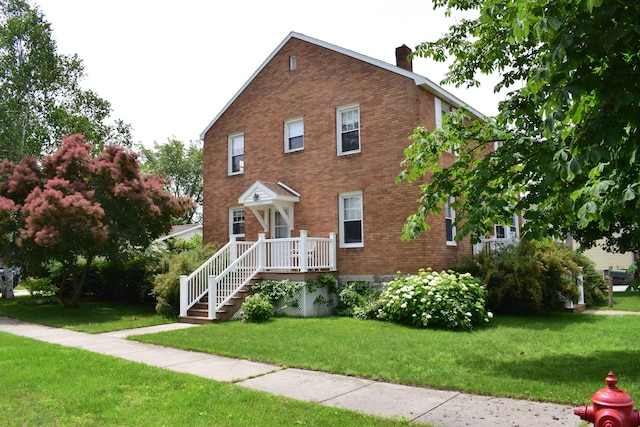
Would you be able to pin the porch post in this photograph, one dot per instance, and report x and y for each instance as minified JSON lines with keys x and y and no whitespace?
{"x":183,"y":295}
{"x":262,"y":252}
{"x":213,"y":296}
{"x":233,"y":249}
{"x":332,"y":252}
{"x":303,"y":252}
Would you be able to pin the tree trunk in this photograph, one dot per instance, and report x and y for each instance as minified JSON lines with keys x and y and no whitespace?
{"x":62,"y":287}
{"x":79,"y":284}
{"x":8,"y":284}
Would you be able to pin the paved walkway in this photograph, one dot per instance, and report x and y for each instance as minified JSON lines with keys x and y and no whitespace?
{"x":420,"y":405}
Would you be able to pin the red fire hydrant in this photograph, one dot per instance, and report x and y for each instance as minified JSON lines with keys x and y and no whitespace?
{"x":611,"y":407}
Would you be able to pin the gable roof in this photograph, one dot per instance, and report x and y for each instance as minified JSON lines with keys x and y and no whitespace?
{"x":181,"y":230}
{"x":266,"y":193}
{"x":419,"y":80}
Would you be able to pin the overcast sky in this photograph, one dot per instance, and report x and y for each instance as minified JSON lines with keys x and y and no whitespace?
{"x":168,"y":67}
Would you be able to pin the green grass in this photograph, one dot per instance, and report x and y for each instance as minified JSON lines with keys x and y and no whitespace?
{"x":624,"y":301}
{"x":50,"y":385}
{"x":91,"y":316}
{"x":561,"y":358}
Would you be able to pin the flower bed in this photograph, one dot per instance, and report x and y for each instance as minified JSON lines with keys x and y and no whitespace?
{"x":440,"y":300}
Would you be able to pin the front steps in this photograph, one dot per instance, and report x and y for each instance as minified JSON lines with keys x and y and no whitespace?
{"x":198,"y":314}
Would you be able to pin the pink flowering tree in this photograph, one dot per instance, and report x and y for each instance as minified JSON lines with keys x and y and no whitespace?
{"x":75,"y":205}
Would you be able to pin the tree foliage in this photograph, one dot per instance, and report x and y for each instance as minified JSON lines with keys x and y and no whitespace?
{"x":182,"y":166}
{"x":74,"y":204}
{"x":40,"y":95}
{"x":567,"y":133}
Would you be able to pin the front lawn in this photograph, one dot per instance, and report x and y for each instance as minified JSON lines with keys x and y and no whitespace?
{"x":91,"y":316}
{"x":623,"y":301}
{"x":560,"y":358}
{"x":51,"y":385}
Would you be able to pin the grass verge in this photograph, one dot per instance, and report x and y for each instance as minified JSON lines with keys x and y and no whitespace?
{"x":623,"y":301}
{"x":561,"y":358}
{"x":91,"y":316}
{"x":60,"y":386}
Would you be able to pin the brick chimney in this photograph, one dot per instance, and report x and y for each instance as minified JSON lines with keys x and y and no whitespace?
{"x":402,"y":57}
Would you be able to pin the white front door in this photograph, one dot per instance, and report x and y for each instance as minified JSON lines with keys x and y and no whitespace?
{"x":280,"y":228}
{"x":281,"y":251}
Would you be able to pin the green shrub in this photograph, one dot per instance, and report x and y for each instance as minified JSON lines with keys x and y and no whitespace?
{"x":359,"y":300}
{"x":169,"y":267}
{"x":40,"y":287}
{"x":529,"y":278}
{"x":257,"y":308}
{"x":282,"y":293}
{"x":438,"y":300}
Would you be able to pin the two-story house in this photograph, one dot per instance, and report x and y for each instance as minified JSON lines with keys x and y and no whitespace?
{"x":311,"y":145}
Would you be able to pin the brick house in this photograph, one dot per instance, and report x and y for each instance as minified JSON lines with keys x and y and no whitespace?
{"x":312,"y":143}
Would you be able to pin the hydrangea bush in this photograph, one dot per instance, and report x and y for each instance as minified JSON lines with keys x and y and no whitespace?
{"x":438,"y":300}
{"x":256,"y":308}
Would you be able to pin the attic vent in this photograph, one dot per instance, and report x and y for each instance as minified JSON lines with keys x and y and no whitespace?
{"x":293,"y":63}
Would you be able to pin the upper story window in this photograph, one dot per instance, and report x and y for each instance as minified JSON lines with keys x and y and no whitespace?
{"x":351,"y":228}
{"x":293,"y":135}
{"x":348,"y":129}
{"x":449,"y":221}
{"x":236,"y":154}
{"x":442,"y":109}
{"x":236,"y":222}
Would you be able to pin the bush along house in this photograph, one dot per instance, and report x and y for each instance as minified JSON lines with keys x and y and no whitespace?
{"x":299,"y":174}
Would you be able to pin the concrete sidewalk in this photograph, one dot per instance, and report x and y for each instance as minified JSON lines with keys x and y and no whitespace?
{"x":420,"y":405}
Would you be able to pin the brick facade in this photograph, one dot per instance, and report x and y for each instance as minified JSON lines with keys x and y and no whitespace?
{"x":391,"y":105}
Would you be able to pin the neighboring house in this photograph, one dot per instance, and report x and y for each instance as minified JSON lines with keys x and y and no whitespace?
{"x":311,"y":146}
{"x":186,"y":232}
{"x":604,"y":260}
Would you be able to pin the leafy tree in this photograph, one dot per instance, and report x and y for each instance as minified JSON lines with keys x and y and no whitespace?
{"x":40,"y":95}
{"x":182,"y":166}
{"x":567,"y":132}
{"x":77,"y":205}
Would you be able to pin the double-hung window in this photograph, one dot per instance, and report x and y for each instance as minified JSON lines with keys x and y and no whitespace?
{"x":236,"y":222}
{"x":236,"y":154}
{"x":442,"y":109}
{"x":294,"y":135}
{"x":351,"y":228}
{"x":449,"y":221}
{"x":511,"y":232}
{"x":348,"y":129}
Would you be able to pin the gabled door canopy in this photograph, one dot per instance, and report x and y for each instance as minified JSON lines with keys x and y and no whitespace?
{"x":262,"y":196}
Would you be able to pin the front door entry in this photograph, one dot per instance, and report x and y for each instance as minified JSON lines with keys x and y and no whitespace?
{"x":281,"y":251}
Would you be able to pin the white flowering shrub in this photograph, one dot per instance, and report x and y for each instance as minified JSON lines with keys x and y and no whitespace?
{"x":435,"y":300}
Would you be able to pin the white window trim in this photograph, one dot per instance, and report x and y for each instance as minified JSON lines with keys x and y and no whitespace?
{"x":231,"y":211}
{"x":229,"y":155}
{"x":438,"y":110}
{"x":439,"y":106}
{"x":341,"y":198}
{"x":339,"y":111}
{"x":453,"y":218}
{"x":286,"y":135}
{"x":511,"y":231}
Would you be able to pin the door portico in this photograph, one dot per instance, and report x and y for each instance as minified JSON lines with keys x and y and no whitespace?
{"x":273,"y":206}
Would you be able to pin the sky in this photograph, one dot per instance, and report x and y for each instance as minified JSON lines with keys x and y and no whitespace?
{"x":169,"y":67}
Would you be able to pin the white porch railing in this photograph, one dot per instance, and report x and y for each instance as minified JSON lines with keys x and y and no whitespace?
{"x":493,"y":244}
{"x":233,"y":266}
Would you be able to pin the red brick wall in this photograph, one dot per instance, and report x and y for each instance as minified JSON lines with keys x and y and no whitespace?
{"x":390,"y":107}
